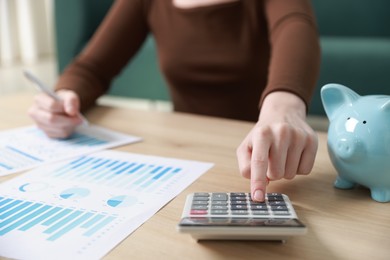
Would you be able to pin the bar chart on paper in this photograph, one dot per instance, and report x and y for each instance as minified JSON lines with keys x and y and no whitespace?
{"x":86,"y":205}
{"x":134,"y":175}
{"x":27,"y":147}
{"x":24,"y":215}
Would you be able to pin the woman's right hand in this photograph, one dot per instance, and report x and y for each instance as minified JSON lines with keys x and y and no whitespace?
{"x":57,"y":118}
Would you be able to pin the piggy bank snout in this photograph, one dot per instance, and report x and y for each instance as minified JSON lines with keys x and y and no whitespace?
{"x":348,"y":148}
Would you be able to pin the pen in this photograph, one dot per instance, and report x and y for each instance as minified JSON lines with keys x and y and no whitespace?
{"x":42,"y":87}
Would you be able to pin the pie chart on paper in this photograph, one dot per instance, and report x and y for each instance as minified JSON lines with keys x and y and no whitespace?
{"x":74,"y":193}
{"x":122,"y":201}
{"x":32,"y":187}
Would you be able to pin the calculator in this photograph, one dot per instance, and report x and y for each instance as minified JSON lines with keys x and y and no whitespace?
{"x":235,"y":216}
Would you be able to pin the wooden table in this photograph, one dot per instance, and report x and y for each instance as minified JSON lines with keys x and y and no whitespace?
{"x":342,"y":224}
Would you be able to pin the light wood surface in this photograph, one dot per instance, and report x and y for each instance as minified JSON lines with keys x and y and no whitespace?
{"x":342,"y":224}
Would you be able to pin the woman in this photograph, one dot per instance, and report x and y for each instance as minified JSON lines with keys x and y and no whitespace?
{"x":254,"y":60}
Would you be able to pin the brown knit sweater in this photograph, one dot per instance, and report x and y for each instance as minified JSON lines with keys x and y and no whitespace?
{"x":219,"y":60}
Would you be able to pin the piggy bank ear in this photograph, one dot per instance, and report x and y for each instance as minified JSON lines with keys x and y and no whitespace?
{"x":334,"y":96}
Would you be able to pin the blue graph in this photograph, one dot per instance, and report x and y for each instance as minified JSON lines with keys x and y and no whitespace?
{"x":129,"y":175}
{"x":12,"y":157}
{"x":28,"y":147}
{"x":81,"y":139}
{"x":21,"y":215}
{"x":76,"y":138}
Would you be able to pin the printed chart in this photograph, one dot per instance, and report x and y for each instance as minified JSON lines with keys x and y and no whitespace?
{"x":28,"y":147}
{"x":85,"y":206}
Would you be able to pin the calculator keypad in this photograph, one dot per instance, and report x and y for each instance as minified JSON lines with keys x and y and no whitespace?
{"x":239,"y":204}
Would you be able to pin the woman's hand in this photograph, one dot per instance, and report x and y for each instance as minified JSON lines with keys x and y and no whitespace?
{"x":280,"y":145}
{"x":57,"y":119}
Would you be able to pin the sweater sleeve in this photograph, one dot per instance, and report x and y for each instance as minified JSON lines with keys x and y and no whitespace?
{"x":115,"y":42}
{"x":295,"y":48}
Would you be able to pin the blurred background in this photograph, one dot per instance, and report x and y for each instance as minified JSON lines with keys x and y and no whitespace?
{"x":26,"y":41}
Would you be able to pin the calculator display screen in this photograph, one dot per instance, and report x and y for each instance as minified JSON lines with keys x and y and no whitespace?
{"x":240,"y":222}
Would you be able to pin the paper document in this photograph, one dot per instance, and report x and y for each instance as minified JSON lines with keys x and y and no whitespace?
{"x":83,"y":207}
{"x":27,"y":147}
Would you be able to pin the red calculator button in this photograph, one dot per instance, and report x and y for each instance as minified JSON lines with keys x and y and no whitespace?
{"x":198,"y":212}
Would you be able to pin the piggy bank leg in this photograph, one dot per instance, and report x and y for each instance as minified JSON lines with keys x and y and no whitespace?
{"x":343,"y":183}
{"x":380,"y":194}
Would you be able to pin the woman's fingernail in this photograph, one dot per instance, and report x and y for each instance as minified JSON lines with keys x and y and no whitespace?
{"x":258,"y":195}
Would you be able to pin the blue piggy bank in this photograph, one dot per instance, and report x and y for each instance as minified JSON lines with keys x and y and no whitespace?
{"x":359,"y":139}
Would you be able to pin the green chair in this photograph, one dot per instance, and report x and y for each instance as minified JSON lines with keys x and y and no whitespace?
{"x":75,"y":23}
{"x":354,"y":34}
{"x":355,"y":42}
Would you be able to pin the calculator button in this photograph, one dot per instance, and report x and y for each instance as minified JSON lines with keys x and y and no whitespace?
{"x":275,"y":198}
{"x":259,"y":207}
{"x":219,"y":202}
{"x":277,"y":203}
{"x":260,"y":212}
{"x":205,"y":207}
{"x":200,"y":198}
{"x":234,"y":198}
{"x":283,"y":213}
{"x":239,"y":212}
{"x":219,"y":212}
{"x":238,"y":207}
{"x":201,"y":194}
{"x":239,"y":194}
{"x":238,"y":202}
{"x":200,"y":202}
{"x":257,"y":203}
{"x":219,"y":196}
{"x":279,"y":208}
{"x":219,"y":207}
{"x":198,"y":212}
